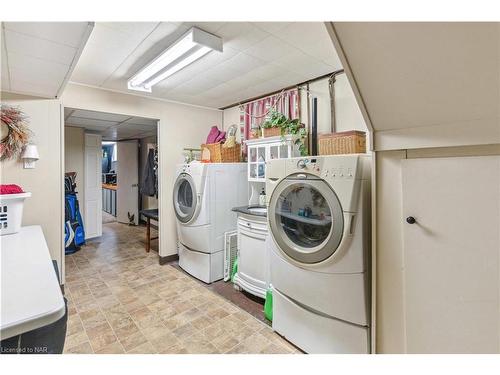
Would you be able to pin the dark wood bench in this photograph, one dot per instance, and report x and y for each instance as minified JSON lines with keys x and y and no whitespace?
{"x":149,"y":215}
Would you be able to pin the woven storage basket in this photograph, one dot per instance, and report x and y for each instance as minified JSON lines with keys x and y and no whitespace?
{"x":271,"y":132}
{"x":350,"y":142}
{"x":219,"y":154}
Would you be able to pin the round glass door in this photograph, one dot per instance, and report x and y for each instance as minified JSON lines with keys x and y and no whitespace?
{"x":184,"y":198}
{"x":306,"y":220}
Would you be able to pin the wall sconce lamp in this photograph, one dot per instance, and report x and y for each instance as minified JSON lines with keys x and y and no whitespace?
{"x":30,"y":156}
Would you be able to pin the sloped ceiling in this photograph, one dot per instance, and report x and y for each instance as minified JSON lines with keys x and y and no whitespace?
{"x":416,"y":75}
{"x":38,"y":58}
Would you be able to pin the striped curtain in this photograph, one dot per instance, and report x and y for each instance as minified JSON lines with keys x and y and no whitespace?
{"x":253,"y":114}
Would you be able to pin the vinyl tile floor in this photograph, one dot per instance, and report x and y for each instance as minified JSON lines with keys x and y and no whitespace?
{"x":120,"y":300}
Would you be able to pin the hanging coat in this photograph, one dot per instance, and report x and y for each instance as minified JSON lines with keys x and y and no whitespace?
{"x":148,"y":185}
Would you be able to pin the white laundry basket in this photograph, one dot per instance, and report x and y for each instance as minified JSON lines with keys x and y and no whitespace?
{"x":11,"y":212}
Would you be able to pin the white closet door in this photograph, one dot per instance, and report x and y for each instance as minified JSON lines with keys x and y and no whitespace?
{"x":127,"y":179}
{"x":93,"y":186}
{"x":451,"y":254}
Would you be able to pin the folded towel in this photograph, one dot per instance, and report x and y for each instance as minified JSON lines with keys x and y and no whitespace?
{"x":212,"y":135}
{"x":10,"y":189}
{"x":221,"y":137}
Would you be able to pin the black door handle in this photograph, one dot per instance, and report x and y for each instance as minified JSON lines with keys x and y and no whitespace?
{"x":411,"y":220}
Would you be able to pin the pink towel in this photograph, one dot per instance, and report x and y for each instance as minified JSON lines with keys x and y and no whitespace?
{"x":213,"y":134}
{"x":221,"y":137}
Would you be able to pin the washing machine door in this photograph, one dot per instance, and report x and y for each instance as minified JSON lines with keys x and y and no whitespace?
{"x":306,"y":219}
{"x":185,"y":198}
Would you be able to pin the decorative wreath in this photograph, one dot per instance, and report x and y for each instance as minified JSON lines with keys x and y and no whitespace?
{"x":18,"y":132}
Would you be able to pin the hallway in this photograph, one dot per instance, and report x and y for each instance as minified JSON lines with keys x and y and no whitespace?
{"x":121,"y":300}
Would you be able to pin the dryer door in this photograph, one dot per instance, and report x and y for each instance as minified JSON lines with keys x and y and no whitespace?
{"x":185,"y":198}
{"x":306,"y":219}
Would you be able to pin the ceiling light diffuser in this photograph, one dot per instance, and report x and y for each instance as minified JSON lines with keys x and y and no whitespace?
{"x":193,"y":45}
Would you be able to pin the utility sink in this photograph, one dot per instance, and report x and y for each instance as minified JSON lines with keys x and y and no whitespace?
{"x":258,"y":210}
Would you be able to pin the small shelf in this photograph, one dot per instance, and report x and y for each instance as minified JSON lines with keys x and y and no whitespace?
{"x":262,"y":150}
{"x":306,"y":220}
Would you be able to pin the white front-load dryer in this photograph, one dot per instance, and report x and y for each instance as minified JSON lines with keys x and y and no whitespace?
{"x":319,"y":216}
{"x":203,"y":196}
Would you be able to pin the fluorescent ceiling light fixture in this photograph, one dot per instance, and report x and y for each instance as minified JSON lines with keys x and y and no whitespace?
{"x":193,"y":45}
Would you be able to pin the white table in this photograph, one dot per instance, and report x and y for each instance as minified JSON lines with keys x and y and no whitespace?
{"x":30,"y":293}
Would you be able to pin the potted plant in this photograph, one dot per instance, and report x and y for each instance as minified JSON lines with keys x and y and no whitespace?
{"x":278,"y":124}
{"x":272,"y":126}
{"x":298,"y":130}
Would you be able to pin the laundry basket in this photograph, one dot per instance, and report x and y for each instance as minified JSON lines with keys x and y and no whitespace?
{"x":11,"y":212}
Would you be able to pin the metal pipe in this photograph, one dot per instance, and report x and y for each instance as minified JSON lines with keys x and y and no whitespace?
{"x":331,"y":87}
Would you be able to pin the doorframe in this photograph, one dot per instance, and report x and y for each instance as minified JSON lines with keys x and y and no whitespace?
{"x":161,"y":214}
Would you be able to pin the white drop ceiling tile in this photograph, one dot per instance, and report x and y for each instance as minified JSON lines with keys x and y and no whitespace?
{"x":272,"y":27}
{"x":35,"y":77}
{"x":270,"y":49}
{"x":215,"y":57}
{"x":67,"y":33}
{"x":268,"y":71}
{"x":265,"y":87}
{"x":304,"y":65}
{"x":220,"y":90}
{"x":137,"y":30}
{"x":195,"y":86}
{"x":136,"y":127}
{"x":301,"y":34}
{"x":221,"y":73}
{"x":30,"y":88}
{"x":39,"y":48}
{"x":141,"y":121}
{"x":288,"y":79}
{"x":95,"y":65}
{"x":35,"y":69}
{"x":210,"y":27}
{"x":90,"y":122}
{"x":245,"y":81}
{"x":241,"y":35}
{"x":243,"y":62}
{"x":147,"y":134}
{"x":96,"y":115}
{"x":105,"y":51}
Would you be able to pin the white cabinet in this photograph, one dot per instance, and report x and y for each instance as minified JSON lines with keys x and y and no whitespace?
{"x":261,"y":150}
{"x":451,"y":254}
{"x":253,"y":259}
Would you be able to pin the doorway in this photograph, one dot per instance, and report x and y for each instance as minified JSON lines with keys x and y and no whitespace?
{"x":111,"y":178}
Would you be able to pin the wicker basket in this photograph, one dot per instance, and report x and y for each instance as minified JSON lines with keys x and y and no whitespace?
{"x":349,"y":142}
{"x":219,"y":154}
{"x":271,"y":132}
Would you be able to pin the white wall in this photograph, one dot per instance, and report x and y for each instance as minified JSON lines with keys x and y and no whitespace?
{"x":348,"y":114}
{"x":180,"y":126}
{"x":74,"y":147}
{"x":45,"y":183}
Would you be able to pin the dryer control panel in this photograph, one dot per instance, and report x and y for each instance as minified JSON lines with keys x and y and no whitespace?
{"x":326,"y":167}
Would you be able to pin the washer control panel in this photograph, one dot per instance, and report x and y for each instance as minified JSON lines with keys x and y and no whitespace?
{"x":326,"y":167}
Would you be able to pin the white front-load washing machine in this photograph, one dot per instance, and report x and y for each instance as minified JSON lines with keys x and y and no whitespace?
{"x":203,"y":196}
{"x":319,"y":221}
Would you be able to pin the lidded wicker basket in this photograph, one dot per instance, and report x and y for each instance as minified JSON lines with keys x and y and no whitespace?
{"x":349,"y":142}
